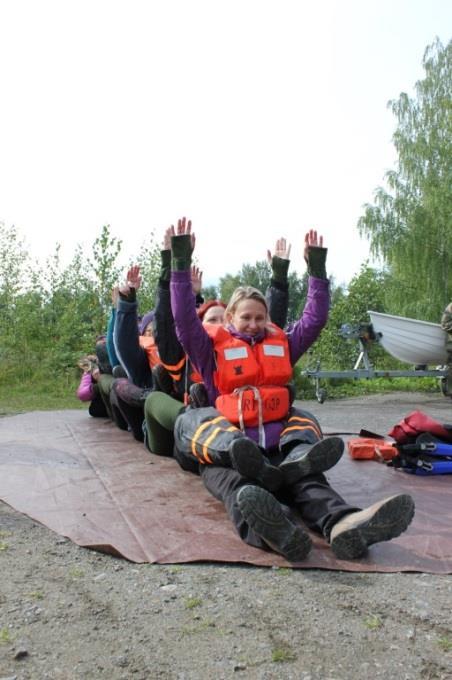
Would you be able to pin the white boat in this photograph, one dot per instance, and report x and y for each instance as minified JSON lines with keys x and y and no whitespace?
{"x":410,"y":340}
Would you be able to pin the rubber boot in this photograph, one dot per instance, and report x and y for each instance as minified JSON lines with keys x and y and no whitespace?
{"x":265,"y":516}
{"x":247,"y":458}
{"x":310,"y":459}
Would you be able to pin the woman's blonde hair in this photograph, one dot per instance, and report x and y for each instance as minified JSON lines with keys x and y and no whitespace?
{"x":245,"y":293}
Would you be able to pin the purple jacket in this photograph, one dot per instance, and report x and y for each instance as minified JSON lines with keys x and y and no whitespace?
{"x":198,"y":345}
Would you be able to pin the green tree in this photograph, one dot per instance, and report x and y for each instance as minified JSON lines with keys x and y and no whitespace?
{"x":106,"y":249}
{"x":259,"y":276}
{"x":13,"y":263}
{"x":409,"y":224}
{"x":150,"y":264}
{"x":210,"y":292}
{"x":228,"y":283}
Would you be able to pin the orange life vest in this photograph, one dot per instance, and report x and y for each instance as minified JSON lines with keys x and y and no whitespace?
{"x":251,"y":379}
{"x":149,"y":346}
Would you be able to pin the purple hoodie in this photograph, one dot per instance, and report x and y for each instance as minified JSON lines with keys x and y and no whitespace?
{"x":199,"y":347}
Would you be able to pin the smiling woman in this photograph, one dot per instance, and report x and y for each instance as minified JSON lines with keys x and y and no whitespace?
{"x":255,"y":450}
{"x":247,"y":311}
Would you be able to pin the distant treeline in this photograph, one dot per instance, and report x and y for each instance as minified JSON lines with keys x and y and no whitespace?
{"x":51,"y":314}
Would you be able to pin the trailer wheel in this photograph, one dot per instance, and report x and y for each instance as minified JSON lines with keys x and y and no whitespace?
{"x":321,"y":395}
{"x":443,"y":384}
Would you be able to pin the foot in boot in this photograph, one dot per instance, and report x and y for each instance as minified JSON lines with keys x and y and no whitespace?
{"x":198,"y":396}
{"x":265,"y":516}
{"x":382,"y":521}
{"x":248,"y":460}
{"x":310,"y":459}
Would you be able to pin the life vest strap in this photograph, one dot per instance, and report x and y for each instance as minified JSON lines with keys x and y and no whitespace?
{"x":240,"y":392}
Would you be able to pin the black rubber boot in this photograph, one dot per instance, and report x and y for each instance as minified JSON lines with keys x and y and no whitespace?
{"x":265,"y":516}
{"x":310,"y":459}
{"x":248,"y":460}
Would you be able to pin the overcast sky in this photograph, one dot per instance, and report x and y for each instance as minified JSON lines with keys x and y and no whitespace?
{"x":255,"y":118}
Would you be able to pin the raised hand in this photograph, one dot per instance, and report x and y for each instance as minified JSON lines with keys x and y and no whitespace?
{"x":184,"y":228}
{"x":133,"y":277}
{"x":282,"y":250}
{"x":196,"y":279}
{"x":167,"y":238}
{"x":312,"y":239}
{"x":133,"y":281}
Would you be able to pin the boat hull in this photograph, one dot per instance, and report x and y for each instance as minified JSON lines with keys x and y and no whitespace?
{"x":410,"y":340}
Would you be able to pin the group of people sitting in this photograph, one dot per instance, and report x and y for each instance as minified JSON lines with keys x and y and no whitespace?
{"x":209,"y":383}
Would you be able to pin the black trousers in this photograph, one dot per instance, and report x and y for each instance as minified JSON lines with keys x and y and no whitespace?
{"x":204,"y":435}
{"x":318,"y":504}
{"x":127,"y":402}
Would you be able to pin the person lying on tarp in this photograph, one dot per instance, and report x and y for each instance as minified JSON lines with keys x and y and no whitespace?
{"x":153,"y":358}
{"x":94,"y":380}
{"x":136,"y":350}
{"x":161,"y":410}
{"x":175,"y":380}
{"x":278,"y":459}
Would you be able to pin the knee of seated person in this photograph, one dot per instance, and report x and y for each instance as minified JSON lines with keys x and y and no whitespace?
{"x":152,"y":398}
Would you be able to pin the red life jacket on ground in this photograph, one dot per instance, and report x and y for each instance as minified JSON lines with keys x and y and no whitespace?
{"x":416,"y":423}
{"x":149,"y":346}
{"x":252,"y":379}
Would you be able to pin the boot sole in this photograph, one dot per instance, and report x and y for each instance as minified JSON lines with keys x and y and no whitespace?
{"x":389,"y":521}
{"x":265,"y":516}
{"x":250,"y":463}
{"x":323,"y":456}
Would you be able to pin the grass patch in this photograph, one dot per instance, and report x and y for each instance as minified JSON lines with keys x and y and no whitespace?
{"x":373,"y":622}
{"x":445,"y":644}
{"x":192,"y":602}
{"x":283,"y":571}
{"x":3,"y":546}
{"x":36,"y":595}
{"x":76,"y":573}
{"x":5,"y":636}
{"x":39,"y":396}
{"x":283,"y":654}
{"x":201,"y":627}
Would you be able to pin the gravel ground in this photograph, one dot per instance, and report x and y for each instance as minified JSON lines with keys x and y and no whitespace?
{"x":67,"y":612}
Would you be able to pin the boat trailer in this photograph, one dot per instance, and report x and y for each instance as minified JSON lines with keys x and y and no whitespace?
{"x":364,"y":370}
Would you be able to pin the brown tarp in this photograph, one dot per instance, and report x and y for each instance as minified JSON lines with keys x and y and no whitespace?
{"x":86,"y":480}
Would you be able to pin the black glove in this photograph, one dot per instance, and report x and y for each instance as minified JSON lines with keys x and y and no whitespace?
{"x":181,"y":252}
{"x":165,"y":272}
{"x":131,"y":296}
{"x":280,"y":269}
{"x":316,"y":262}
